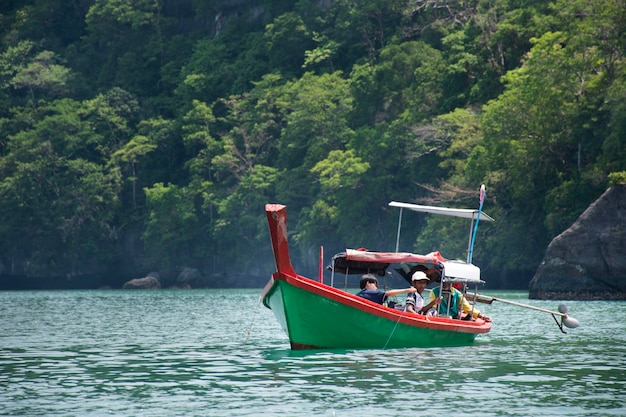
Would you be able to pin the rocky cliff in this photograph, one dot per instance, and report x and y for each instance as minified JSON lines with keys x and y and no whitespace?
{"x":588,"y":260}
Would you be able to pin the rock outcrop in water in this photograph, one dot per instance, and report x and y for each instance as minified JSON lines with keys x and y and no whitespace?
{"x":588,"y":260}
{"x":150,"y":282}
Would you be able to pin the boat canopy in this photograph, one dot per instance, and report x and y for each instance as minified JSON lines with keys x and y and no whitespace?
{"x":445,"y":211}
{"x":342,"y":265}
{"x":433,"y":258}
{"x":359,"y":261}
{"x":459,"y":271}
{"x":453,"y":271}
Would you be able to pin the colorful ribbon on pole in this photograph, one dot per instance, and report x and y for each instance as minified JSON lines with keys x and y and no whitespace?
{"x":480,"y":208}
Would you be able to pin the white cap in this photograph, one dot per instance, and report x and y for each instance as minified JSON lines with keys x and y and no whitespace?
{"x":419,"y":276}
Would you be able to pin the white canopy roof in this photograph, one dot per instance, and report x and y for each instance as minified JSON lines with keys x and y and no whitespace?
{"x":464,"y":213}
{"x":458,"y":271}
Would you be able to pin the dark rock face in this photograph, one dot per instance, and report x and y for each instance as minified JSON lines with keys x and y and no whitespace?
{"x":588,"y":260}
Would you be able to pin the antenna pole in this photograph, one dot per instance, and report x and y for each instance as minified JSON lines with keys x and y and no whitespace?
{"x":480,"y":208}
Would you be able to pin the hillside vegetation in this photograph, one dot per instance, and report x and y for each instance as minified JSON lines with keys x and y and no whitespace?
{"x":140,"y":135}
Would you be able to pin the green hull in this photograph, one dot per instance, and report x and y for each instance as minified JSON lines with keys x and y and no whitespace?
{"x":312,"y":320}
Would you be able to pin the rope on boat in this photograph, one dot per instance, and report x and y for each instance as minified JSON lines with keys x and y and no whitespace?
{"x":394,"y":330}
{"x":256,"y":310}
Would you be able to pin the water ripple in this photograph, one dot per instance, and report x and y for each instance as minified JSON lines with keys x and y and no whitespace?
{"x":198,"y":353}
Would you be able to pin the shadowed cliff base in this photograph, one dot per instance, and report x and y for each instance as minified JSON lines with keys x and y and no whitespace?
{"x":587,"y":262}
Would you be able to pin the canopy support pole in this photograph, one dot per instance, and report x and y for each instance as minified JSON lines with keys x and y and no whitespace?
{"x":469,"y":241}
{"x":398,"y":235}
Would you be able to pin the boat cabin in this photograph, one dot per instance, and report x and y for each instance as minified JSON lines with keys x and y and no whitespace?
{"x":360,"y":261}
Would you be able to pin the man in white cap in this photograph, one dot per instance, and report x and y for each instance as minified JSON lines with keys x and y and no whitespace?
{"x":415,"y":301}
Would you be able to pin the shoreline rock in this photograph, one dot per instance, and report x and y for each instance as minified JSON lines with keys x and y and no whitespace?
{"x":150,"y":282}
{"x":587,"y":261}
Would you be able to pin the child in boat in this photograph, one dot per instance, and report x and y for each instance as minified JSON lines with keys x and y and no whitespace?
{"x":369,"y":290}
{"x":460,"y":308}
{"x":415,"y":301}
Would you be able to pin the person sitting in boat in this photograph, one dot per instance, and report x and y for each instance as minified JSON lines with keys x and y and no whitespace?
{"x":369,"y":290}
{"x":415,"y":301}
{"x":460,"y":308}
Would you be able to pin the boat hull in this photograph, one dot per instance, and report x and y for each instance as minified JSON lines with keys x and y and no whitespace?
{"x":316,"y":316}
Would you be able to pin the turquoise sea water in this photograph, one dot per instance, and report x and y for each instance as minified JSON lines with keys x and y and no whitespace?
{"x":221,"y":353}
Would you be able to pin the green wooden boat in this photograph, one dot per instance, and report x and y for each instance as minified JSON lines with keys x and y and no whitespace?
{"x":319,"y":316}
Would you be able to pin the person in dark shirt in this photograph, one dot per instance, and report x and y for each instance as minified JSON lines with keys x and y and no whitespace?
{"x":370,"y":291}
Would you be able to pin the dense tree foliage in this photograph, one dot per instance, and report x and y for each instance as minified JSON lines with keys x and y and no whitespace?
{"x":140,"y":135}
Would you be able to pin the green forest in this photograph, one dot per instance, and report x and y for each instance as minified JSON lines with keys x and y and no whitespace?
{"x":147,"y":135}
